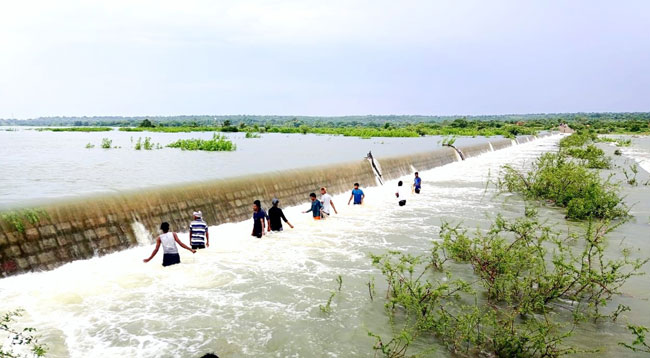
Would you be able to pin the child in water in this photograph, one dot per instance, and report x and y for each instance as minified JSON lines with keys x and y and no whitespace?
{"x":168,"y":241}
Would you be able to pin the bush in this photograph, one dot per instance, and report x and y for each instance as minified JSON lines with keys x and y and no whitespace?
{"x":566,"y":184}
{"x":217,"y":143}
{"x":106,"y":143}
{"x":593,"y":156}
{"x":577,"y":139}
{"x":523,"y":271}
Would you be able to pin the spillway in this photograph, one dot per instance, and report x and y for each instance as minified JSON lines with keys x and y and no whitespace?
{"x":248,"y":297}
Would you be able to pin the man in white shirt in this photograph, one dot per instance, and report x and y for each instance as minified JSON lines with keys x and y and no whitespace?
{"x":326,"y":199}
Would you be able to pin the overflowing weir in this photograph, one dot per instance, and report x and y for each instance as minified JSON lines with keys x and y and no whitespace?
{"x":46,"y":237}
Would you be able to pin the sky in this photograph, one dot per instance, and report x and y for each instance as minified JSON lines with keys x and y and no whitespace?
{"x":324,"y":58}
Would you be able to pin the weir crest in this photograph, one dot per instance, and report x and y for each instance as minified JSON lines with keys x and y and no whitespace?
{"x":46,"y":237}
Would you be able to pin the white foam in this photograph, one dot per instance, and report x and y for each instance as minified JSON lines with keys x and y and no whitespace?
{"x":243,"y":295}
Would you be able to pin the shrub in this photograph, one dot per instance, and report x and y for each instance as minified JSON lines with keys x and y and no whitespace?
{"x":106,"y":143}
{"x":523,"y":271}
{"x":566,"y":184}
{"x":593,"y":156}
{"x":217,"y":143}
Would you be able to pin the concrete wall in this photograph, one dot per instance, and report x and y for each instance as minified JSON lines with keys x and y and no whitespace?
{"x":80,"y":229}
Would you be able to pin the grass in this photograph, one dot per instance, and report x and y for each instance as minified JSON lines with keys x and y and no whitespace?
{"x":218,"y":143}
{"x":75,"y":129}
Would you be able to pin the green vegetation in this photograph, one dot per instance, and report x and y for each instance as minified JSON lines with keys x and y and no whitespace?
{"x":367,"y":126}
{"x":524,"y":273}
{"x":217,"y":143}
{"x":567,"y":184}
{"x":17,"y":219}
{"x":75,"y":129}
{"x":106,"y":143}
{"x":18,"y":338}
{"x":620,"y":142}
{"x":327,"y":308}
{"x":639,"y":344}
{"x":592,"y":156}
{"x":252,"y":135}
{"x":171,"y":129}
{"x":90,"y":145}
{"x":146,"y":145}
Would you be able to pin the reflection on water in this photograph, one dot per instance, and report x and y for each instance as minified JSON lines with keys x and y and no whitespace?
{"x":245,"y":297}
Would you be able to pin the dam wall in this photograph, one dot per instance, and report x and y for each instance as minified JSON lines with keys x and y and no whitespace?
{"x":46,"y":237}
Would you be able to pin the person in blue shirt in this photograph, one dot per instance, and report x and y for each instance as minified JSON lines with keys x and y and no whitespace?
{"x":316,"y":206}
{"x":357,"y":194}
{"x":417,"y":183}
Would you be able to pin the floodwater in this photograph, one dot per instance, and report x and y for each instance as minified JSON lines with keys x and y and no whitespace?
{"x":41,"y":166}
{"x":246,"y":297}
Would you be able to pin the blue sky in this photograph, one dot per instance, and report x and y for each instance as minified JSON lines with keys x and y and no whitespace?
{"x":322,"y":57}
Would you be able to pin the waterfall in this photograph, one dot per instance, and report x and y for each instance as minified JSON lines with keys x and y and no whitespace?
{"x":142,"y":235}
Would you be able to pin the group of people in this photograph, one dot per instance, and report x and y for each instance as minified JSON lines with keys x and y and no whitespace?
{"x":262,"y":221}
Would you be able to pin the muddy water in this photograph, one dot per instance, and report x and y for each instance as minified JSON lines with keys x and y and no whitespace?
{"x":245,"y":297}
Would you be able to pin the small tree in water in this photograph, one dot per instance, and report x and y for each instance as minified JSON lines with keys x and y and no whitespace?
{"x":147,"y":124}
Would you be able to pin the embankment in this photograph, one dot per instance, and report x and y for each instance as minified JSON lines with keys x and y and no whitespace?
{"x":46,"y":237}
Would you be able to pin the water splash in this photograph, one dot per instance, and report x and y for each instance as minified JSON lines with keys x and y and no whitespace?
{"x":142,"y":235}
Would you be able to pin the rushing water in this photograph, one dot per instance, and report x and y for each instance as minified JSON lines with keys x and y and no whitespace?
{"x":245,"y":297}
{"x":37,"y":166}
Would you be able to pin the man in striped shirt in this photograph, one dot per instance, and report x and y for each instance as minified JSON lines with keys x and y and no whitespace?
{"x":199,"y":237}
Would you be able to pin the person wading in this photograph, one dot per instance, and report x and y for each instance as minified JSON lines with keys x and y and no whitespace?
{"x":168,"y":240}
{"x":276,"y":216}
{"x":315,"y":206}
{"x":259,"y":217}
{"x":327,"y":202}
{"x":357,"y":194}
{"x":199,"y":236}
{"x":417,"y":183}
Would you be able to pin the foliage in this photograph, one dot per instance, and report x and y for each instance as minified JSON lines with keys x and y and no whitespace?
{"x":17,"y":219}
{"x":75,"y":129}
{"x":19,"y":338}
{"x":630,"y":178}
{"x":90,"y":145}
{"x":593,"y":156}
{"x":449,"y":141}
{"x":147,"y":144}
{"x":217,"y":143}
{"x":566,"y":184}
{"x":106,"y":143}
{"x":524,"y":272}
{"x":639,"y":344}
{"x":147,"y":123}
{"x":577,"y":139}
{"x":252,"y":135}
{"x":327,"y":308}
